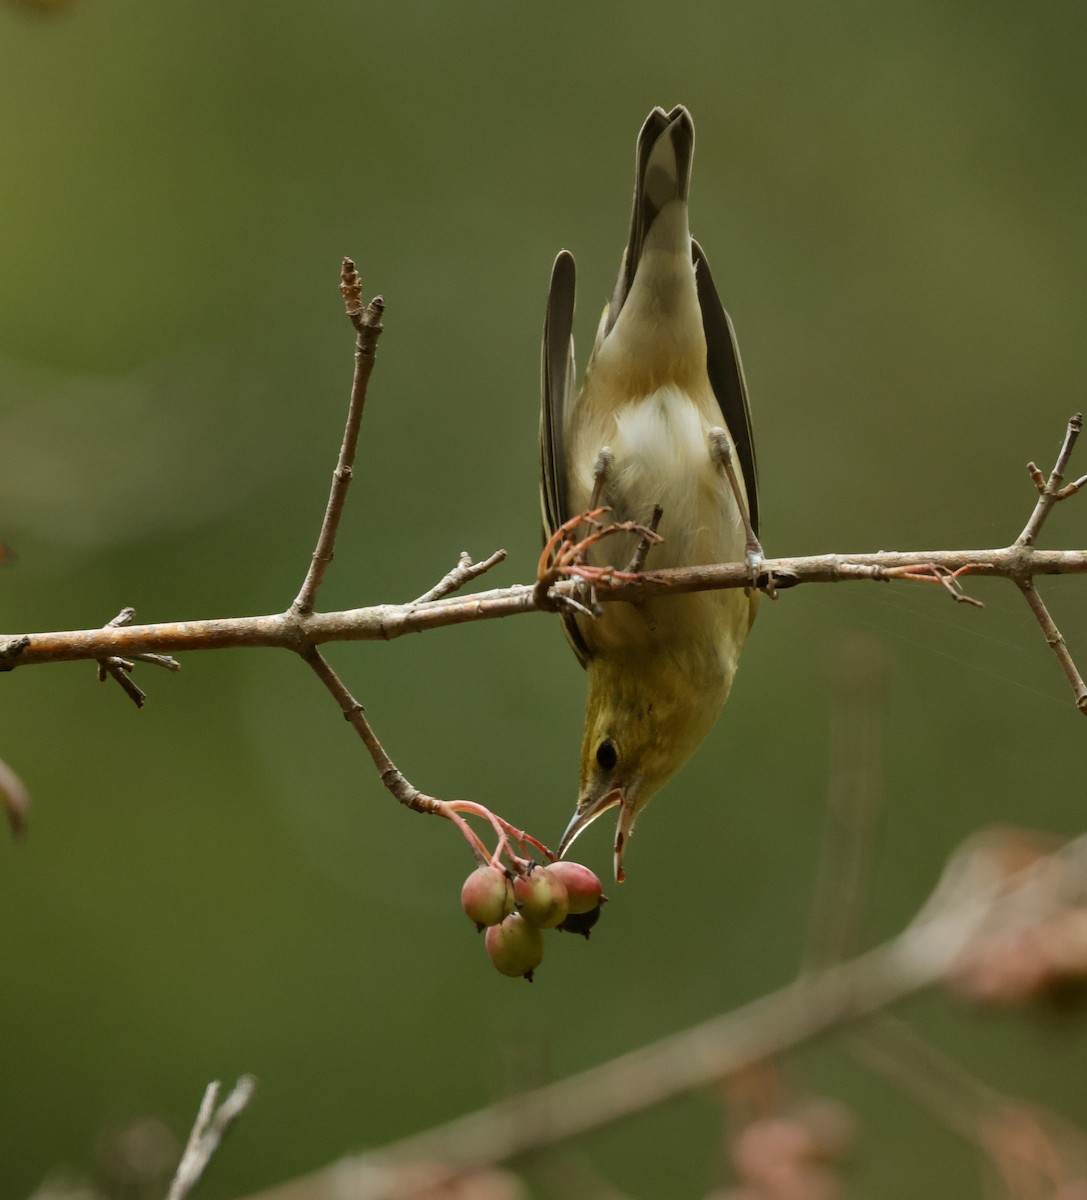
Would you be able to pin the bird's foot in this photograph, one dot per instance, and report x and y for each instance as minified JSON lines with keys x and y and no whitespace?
{"x":564,"y":555}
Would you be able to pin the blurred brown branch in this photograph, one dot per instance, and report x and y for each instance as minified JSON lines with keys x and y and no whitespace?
{"x":929,"y":952}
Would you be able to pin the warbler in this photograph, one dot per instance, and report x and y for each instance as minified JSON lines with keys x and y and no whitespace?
{"x":658,"y":424}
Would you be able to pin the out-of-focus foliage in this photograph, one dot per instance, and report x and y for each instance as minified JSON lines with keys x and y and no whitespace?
{"x":892,"y":197}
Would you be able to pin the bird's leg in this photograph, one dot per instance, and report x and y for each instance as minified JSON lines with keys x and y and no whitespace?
{"x":601,"y":467}
{"x":721,"y":453}
{"x":563,"y":555}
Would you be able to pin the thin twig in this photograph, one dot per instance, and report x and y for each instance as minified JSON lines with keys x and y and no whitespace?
{"x":208,"y":1131}
{"x":1057,"y":644}
{"x":637,"y":563}
{"x":920,"y":957}
{"x":367,"y":323}
{"x":1050,"y":491}
{"x":404,"y":791}
{"x":119,"y":669}
{"x":465,"y":571}
{"x":398,"y":785}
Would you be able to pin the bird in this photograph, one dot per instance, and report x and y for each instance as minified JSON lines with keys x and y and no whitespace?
{"x":653,"y":436}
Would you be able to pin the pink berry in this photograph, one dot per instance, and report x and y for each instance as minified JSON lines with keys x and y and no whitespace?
{"x":515,"y":947}
{"x":541,"y":898}
{"x":583,"y":890}
{"x":487,"y":896}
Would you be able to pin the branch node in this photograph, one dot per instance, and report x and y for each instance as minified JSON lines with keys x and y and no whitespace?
{"x":10,"y":651}
{"x":119,"y":669}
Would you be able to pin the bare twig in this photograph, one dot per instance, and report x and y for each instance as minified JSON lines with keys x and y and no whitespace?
{"x":1057,"y":644}
{"x":923,"y":955}
{"x":637,"y":563}
{"x":404,"y":791}
{"x":1050,"y":491}
{"x":367,"y":323}
{"x":119,"y":669}
{"x":14,"y":799}
{"x":208,"y":1131}
{"x":465,"y":571}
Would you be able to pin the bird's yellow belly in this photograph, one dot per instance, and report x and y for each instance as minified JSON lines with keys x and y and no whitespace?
{"x":660,"y":455}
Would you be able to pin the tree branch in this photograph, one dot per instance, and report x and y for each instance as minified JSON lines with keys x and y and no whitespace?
{"x":923,"y":955}
{"x":208,"y":1131}
{"x":367,"y":322}
{"x":384,"y":622}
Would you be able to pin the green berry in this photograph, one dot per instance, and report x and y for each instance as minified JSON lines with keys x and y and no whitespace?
{"x":515,"y":947}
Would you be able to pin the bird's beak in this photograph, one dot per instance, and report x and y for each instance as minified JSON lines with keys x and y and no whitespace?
{"x":591,"y":808}
{"x":588,"y":809}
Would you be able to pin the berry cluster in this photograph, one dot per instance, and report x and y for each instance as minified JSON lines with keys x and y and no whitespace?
{"x":516,"y":904}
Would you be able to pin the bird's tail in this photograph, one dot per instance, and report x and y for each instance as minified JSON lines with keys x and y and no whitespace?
{"x":665,"y":150}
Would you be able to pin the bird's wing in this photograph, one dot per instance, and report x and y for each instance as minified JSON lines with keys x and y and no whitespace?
{"x":557,"y":388}
{"x":727,"y":377}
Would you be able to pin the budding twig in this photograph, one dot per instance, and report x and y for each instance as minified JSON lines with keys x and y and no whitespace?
{"x":465,"y":571}
{"x":1050,"y":491}
{"x":118,"y":669}
{"x":367,"y":323}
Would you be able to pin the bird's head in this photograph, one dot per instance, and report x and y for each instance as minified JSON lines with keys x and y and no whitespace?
{"x":642,"y":723}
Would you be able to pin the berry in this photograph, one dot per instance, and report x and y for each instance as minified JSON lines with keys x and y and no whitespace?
{"x":541,"y":898}
{"x":515,"y":947}
{"x":487,"y":896}
{"x":583,"y":890}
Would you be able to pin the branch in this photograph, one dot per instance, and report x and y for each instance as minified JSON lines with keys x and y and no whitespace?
{"x":1056,"y":642}
{"x":1050,"y":490}
{"x":925,"y":954}
{"x":367,"y":322}
{"x":384,"y":622}
{"x":208,"y":1131}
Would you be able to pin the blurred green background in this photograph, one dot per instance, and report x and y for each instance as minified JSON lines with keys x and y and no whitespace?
{"x":892,"y":198}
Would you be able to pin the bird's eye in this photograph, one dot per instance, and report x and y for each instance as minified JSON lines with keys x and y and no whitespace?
{"x":606,"y":754}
